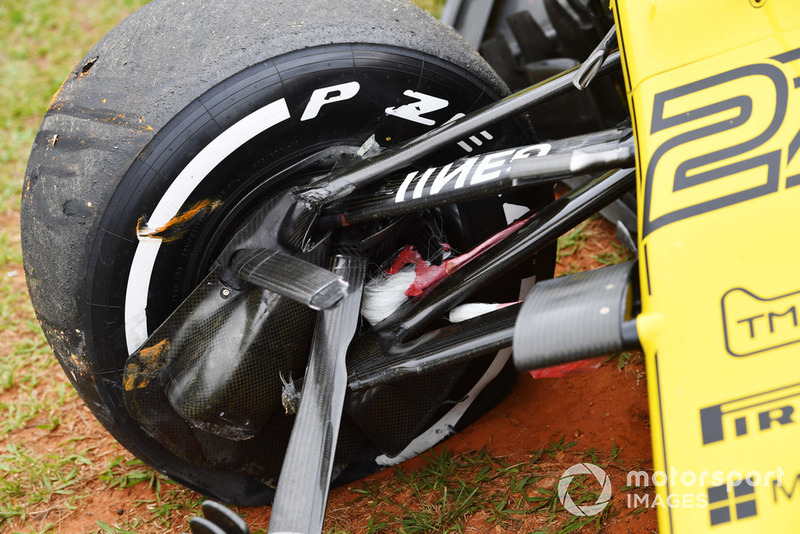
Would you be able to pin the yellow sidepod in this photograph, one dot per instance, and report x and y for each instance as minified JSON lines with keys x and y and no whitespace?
{"x":714,"y":90}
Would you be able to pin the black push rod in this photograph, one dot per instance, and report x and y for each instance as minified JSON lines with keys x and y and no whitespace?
{"x":338,"y":185}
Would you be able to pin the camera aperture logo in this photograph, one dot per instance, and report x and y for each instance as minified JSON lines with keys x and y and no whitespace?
{"x":584,"y":469}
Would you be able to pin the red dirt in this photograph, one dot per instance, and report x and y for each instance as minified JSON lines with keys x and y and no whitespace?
{"x":595,"y":409}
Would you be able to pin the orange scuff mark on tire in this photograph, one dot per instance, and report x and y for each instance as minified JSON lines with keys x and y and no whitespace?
{"x":177,"y":227}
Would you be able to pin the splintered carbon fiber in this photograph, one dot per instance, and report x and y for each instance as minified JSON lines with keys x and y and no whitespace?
{"x":207,"y":385}
{"x":573,"y":317}
{"x":305,"y":477}
{"x":290,"y":276}
{"x":304,"y":221}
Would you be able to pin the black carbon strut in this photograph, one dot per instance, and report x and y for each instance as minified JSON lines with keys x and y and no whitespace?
{"x":340,"y":184}
{"x":305,"y":477}
{"x":382,"y":363}
{"x":481,"y":176}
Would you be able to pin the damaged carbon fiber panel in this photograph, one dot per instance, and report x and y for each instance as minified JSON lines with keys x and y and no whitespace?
{"x":200,"y":385}
{"x":208,"y":358}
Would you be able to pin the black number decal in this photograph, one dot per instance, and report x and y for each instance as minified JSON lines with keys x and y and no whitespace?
{"x":683,"y":178}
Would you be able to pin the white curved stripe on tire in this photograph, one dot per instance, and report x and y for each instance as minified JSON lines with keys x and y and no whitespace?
{"x":176,"y":195}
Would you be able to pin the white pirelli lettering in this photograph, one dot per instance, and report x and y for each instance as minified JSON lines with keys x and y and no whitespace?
{"x":414,"y":111}
{"x":329,"y":95}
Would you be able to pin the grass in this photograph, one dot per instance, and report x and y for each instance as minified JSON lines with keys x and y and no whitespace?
{"x":619,"y":254}
{"x":578,"y":249}
{"x":41,"y":41}
{"x":433,"y":7}
{"x":461,"y":492}
{"x":31,"y":478}
{"x":569,"y":243}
